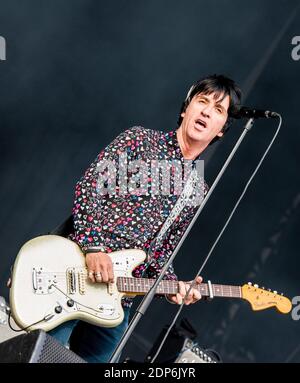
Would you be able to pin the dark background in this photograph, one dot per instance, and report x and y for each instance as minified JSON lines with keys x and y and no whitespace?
{"x":79,"y":72}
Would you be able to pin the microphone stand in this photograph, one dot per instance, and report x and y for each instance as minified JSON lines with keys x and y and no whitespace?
{"x":140,"y":311}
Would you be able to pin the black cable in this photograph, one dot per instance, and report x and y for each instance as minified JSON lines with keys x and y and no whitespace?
{"x":24,"y":328}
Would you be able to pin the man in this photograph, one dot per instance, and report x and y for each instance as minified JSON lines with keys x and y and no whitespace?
{"x":109,"y":222}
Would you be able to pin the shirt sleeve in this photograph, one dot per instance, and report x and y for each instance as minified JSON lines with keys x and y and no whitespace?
{"x":87,"y":217}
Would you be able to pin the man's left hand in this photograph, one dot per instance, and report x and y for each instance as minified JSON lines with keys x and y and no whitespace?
{"x":193,"y":296}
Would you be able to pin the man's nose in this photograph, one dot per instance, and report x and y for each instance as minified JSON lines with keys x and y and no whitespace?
{"x":206,"y":111}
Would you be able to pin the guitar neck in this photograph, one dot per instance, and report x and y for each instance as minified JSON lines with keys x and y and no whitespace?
{"x":140,"y":286}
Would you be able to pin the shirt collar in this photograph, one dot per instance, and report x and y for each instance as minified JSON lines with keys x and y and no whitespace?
{"x":171,"y":139}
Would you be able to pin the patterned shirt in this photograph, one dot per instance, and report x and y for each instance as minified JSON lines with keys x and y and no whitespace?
{"x":131,"y":220}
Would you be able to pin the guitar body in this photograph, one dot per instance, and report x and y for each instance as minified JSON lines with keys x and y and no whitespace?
{"x":50,"y":286}
{"x":49,"y":281}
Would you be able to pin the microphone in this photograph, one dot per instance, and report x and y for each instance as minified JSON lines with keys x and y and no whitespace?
{"x":245,"y":112}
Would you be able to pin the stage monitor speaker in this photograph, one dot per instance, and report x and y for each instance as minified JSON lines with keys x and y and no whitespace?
{"x":181,"y":347}
{"x":36,"y":347}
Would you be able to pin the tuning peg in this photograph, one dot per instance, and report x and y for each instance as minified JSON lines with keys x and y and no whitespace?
{"x":249,"y":283}
{"x":281,"y":294}
{"x":269,"y":289}
{"x":256,"y":286}
{"x":275,"y":292}
{"x":263,"y":287}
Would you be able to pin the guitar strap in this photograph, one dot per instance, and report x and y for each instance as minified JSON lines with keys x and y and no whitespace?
{"x":188,"y":195}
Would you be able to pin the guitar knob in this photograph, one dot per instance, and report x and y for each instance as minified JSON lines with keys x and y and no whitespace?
{"x":275,"y":292}
{"x":249,"y":283}
{"x":70,"y":303}
{"x":269,"y":289}
{"x":58,"y":309}
{"x":281,"y":294}
{"x":256,"y":286}
{"x":263,"y":287}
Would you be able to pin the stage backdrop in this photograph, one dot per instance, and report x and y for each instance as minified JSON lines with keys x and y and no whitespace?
{"x":74,"y":74}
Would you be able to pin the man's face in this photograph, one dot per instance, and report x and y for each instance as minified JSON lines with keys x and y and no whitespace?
{"x":205,"y":117}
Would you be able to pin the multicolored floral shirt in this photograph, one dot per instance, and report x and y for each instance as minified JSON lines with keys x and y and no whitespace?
{"x":129,"y":220}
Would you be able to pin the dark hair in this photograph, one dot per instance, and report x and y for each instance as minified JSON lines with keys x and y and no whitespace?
{"x":220,"y":85}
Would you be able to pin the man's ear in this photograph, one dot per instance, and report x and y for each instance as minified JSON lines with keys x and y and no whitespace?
{"x":220,"y":134}
{"x":182,"y":114}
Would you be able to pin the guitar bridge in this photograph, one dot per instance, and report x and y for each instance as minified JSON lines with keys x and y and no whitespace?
{"x":43,"y":282}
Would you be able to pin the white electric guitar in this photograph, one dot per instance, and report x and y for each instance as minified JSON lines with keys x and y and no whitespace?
{"x":50,"y":286}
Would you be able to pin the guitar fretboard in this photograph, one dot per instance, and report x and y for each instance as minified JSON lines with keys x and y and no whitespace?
{"x":143,"y":285}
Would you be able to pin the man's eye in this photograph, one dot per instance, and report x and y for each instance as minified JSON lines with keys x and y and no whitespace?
{"x":202,"y":100}
{"x":219,"y":110}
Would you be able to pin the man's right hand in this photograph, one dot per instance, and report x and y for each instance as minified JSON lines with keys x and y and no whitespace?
{"x":100,"y":267}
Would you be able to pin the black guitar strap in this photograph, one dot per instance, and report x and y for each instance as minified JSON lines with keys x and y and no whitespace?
{"x":65,"y":228}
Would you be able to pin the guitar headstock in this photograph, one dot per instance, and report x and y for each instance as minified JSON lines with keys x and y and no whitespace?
{"x":261,"y":299}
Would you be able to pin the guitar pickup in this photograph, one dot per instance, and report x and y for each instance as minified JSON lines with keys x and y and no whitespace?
{"x":110,"y":288}
{"x":71,"y":281}
{"x":81,"y":281}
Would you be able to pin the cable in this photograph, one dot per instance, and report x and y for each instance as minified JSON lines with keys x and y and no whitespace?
{"x":25,"y":328}
{"x":219,"y":237}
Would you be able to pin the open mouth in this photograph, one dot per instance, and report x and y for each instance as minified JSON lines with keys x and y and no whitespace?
{"x":200,"y":123}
